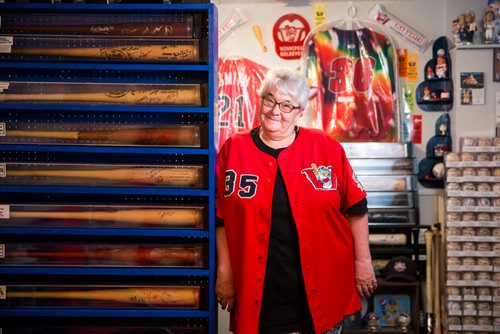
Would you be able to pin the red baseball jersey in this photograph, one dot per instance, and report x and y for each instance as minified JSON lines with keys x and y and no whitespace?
{"x":352,"y":73}
{"x":321,"y":186}
{"x":238,"y":100}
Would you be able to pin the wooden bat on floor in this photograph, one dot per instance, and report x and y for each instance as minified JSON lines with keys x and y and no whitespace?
{"x":132,"y":255}
{"x":174,"y":29}
{"x":179,"y":135}
{"x":168,"y":217}
{"x":428,"y":281}
{"x":395,"y":239}
{"x":163,"y":176}
{"x":436,"y":245}
{"x":165,"y":296}
{"x":180,"y":52}
{"x":182,"y":95}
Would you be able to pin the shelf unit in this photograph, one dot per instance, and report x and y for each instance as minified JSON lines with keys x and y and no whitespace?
{"x":472,"y":236}
{"x":387,"y":171}
{"x":40,"y":194}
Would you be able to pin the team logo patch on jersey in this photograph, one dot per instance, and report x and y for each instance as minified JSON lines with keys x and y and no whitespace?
{"x":358,"y":183}
{"x":321,"y":177}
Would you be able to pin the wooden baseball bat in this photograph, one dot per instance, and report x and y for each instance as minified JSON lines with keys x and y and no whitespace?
{"x":182,"y":95}
{"x":165,"y":296}
{"x":315,"y":169}
{"x":179,"y":135}
{"x":428,"y":280}
{"x":437,"y":281}
{"x":258,"y":34}
{"x":174,"y":29}
{"x":181,"y":52}
{"x":164,"y":176}
{"x":396,"y":239}
{"x":137,"y":255}
{"x":379,"y":264}
{"x":169,"y":217}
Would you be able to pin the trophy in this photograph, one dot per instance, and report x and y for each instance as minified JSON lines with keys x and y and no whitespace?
{"x":403,"y":322}
{"x":372,"y":322}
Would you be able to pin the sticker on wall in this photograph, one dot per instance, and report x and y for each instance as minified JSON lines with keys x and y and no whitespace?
{"x":289,"y":33}
{"x":416,"y":129}
{"x":412,"y":74}
{"x":408,"y":98}
{"x":319,"y":14}
{"x":402,"y":62}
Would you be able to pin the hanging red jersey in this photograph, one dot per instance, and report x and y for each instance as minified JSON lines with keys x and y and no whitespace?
{"x":239,"y":80}
{"x":352,"y":79}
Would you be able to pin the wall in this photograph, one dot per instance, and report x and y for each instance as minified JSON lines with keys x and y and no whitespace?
{"x":430,"y":17}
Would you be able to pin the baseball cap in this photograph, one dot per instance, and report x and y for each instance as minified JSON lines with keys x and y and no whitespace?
{"x":400,"y":268}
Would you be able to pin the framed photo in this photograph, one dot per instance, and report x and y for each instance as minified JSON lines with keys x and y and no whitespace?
{"x":389,"y":307}
{"x":496,"y":64}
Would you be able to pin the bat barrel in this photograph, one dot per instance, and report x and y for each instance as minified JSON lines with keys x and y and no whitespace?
{"x":165,"y":296}
{"x":168,"y":217}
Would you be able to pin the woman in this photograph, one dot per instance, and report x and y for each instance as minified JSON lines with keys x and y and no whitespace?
{"x":292,"y":235}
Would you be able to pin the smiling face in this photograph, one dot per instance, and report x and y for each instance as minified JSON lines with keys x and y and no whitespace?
{"x":276,"y":123}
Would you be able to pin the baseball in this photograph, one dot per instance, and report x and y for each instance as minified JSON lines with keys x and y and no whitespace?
{"x":451,"y":156}
{"x":438,"y":170}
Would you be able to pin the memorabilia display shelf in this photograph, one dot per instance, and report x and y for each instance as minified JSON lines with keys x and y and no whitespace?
{"x":473,"y":235}
{"x":387,"y":171}
{"x":74,"y":75}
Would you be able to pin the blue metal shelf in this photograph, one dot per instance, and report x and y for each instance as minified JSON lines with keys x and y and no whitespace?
{"x":103,"y":149}
{"x":111,"y":8}
{"x":105,"y":66}
{"x":143,"y":232}
{"x":121,"y":313}
{"x":99,"y":71}
{"x":97,"y":107}
{"x":105,"y":190}
{"x":89,"y":271}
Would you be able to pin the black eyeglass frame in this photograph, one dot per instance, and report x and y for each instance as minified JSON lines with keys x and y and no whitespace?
{"x":280,"y":104}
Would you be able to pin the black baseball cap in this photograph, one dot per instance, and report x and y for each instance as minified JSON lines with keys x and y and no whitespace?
{"x":400,"y":268}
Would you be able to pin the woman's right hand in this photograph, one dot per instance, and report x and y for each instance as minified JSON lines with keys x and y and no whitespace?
{"x":224,"y":289}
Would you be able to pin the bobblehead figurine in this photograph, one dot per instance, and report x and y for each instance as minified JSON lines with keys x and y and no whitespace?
{"x":441,"y":65}
{"x":429,"y":73}
{"x":489,"y":27}
{"x":471,"y":26}
{"x":427,"y":93}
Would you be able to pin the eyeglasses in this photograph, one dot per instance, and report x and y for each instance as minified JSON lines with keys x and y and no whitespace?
{"x":284,"y":106}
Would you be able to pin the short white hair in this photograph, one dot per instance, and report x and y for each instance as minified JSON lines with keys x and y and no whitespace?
{"x":286,"y":81}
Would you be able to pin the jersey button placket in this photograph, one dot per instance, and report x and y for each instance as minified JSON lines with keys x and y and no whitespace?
{"x":270,"y":164}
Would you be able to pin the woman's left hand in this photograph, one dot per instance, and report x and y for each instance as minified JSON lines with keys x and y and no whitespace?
{"x":365,"y":279}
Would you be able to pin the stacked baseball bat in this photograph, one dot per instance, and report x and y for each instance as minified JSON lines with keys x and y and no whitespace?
{"x":147,"y":52}
{"x":166,"y":217}
{"x":166,"y":30}
{"x":150,"y":52}
{"x":188,"y":297}
{"x":188,"y":95}
{"x":387,"y":239}
{"x":115,"y":255}
{"x":169,"y":136}
{"x":183,"y":177}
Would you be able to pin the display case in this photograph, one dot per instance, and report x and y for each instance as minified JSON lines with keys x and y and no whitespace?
{"x":473,"y":236}
{"x":387,"y":173}
{"x":107,"y":168}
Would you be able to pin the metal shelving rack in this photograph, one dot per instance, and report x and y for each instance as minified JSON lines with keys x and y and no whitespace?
{"x":387,"y":171}
{"x":205,"y":71}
